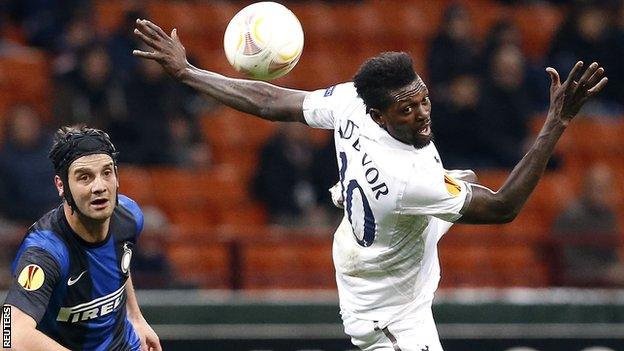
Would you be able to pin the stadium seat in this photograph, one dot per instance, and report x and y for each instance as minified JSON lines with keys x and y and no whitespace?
{"x":492,"y":265}
{"x":109,"y":15}
{"x":317,"y":22}
{"x":29,"y":80}
{"x":136,"y":182}
{"x":290,"y":263}
{"x":184,"y":196}
{"x":536,"y":39}
{"x":204,"y":263}
{"x":175,"y":14}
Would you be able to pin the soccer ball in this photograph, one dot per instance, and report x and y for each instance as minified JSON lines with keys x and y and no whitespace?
{"x":263,"y":40}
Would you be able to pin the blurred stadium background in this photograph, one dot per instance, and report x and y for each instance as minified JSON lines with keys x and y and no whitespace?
{"x":218,"y":269}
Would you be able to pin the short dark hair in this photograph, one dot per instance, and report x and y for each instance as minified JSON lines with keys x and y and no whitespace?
{"x":380,"y":74}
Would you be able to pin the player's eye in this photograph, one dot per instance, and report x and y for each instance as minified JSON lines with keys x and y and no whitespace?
{"x":408,"y":110}
{"x":83,"y":177}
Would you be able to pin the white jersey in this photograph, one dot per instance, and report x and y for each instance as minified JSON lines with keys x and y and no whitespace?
{"x":399,"y":201}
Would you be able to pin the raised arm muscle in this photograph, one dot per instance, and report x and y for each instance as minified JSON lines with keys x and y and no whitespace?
{"x":258,"y":98}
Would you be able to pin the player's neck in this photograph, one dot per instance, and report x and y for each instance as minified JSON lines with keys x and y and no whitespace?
{"x":90,"y":230}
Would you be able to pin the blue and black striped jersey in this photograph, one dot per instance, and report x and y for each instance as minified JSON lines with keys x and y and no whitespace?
{"x":75,"y":290}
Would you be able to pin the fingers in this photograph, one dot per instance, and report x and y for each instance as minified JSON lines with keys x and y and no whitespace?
{"x":155,"y":28}
{"x":595,"y":77}
{"x":577,"y":67}
{"x":174,"y":35}
{"x":583,"y":82}
{"x":142,"y":26}
{"x":598,"y":86}
{"x":554,"y":77}
{"x":149,"y":41}
{"x":147,"y":55}
{"x":154,"y":343}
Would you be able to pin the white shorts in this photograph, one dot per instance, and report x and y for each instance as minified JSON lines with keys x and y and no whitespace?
{"x":415,"y":333}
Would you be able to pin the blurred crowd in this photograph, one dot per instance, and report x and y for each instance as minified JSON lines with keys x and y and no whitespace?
{"x":484,"y":95}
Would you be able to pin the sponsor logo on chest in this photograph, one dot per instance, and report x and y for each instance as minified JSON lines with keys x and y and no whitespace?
{"x":99,"y":307}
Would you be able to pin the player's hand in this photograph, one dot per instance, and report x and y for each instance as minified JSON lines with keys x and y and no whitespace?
{"x":167,"y":50}
{"x":567,"y":98}
{"x":149,"y":339}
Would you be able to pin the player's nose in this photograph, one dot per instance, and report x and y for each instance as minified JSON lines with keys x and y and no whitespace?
{"x":99,"y":185}
{"x":423,"y":111}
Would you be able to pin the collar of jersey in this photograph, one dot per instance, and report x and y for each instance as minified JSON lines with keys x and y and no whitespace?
{"x":65,"y":223}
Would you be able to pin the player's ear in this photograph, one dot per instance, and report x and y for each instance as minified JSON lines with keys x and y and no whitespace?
{"x":377,"y":117}
{"x":59,"y":185}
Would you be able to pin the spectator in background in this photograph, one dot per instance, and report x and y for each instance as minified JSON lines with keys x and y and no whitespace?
{"x":287,"y":179}
{"x":504,"y":108}
{"x":121,"y":43}
{"x":44,"y":22}
{"x":77,"y":37}
{"x":153,"y":125}
{"x":506,"y":33}
{"x":25,"y":172}
{"x":588,"y":235}
{"x":188,"y":148}
{"x":586,"y":35}
{"x":616,"y":92}
{"x":453,"y":51}
{"x":457,"y":122}
{"x":88,"y":94}
{"x":502,"y":33}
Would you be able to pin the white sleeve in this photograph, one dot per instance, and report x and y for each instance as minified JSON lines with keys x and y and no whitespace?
{"x":443,"y":197}
{"x":321,"y":107}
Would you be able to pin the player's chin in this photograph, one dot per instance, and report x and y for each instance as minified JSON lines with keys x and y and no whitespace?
{"x":100,"y":214}
{"x":419,"y":141}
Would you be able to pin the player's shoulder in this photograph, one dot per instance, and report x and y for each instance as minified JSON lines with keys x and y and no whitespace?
{"x":47,"y":232}
{"x":342,"y":92}
{"x":46,"y":235}
{"x":130,"y":210}
{"x":337,"y":92}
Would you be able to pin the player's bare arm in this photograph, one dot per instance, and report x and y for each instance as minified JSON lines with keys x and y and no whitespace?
{"x":566,"y":99}
{"x":25,"y":335}
{"x":262,"y":99}
{"x":149,"y":338}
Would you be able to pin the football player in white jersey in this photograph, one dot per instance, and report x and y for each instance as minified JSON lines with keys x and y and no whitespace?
{"x":398,"y":198}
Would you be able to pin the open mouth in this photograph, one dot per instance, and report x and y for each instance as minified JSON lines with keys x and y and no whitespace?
{"x":99,"y":202}
{"x":426,"y":130}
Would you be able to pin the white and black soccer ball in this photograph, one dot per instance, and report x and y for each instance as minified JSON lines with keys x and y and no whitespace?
{"x":263,"y":40}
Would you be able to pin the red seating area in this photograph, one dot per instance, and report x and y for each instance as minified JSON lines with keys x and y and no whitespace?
{"x":220,"y":237}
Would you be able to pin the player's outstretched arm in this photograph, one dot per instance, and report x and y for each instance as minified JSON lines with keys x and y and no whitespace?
{"x":262,"y":99}
{"x":566,"y":99}
{"x":25,"y":336}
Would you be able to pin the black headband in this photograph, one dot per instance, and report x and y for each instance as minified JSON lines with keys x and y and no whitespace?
{"x":78,"y":144}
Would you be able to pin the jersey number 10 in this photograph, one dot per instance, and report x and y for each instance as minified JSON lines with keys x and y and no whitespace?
{"x":363,"y":235}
